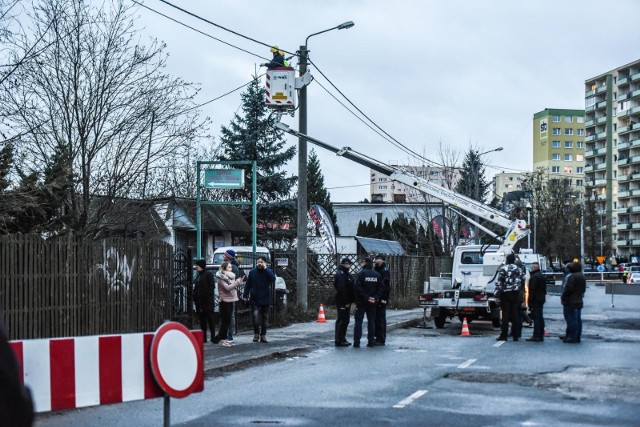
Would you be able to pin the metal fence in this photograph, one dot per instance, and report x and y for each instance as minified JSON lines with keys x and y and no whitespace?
{"x":72,"y":286}
{"x":408,"y":274}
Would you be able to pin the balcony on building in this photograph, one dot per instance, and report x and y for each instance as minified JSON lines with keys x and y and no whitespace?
{"x":601,"y":104}
{"x":623,"y":226}
{"x":634,"y":209}
{"x":624,"y":194}
{"x":634,"y":160}
{"x":634,"y":242}
{"x":635,"y":226}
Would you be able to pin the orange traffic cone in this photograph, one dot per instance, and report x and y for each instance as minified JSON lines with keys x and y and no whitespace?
{"x":465,"y":329}
{"x":321,"y":318}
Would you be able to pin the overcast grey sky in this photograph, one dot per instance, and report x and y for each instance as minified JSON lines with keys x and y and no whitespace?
{"x":426,"y":71}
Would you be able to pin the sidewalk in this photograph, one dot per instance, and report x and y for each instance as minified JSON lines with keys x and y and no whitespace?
{"x":288,"y":341}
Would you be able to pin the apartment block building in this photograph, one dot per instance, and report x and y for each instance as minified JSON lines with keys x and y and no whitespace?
{"x":559,"y":145}
{"x":382,"y":189}
{"x":612,"y":153}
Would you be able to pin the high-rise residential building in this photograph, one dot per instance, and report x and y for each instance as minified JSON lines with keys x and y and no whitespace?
{"x":559,"y":145}
{"x":612,"y":123}
{"x":382,"y":189}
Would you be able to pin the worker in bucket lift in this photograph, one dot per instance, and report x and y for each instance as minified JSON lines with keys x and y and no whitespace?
{"x":278,"y":59}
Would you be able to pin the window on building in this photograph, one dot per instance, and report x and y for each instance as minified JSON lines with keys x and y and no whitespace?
{"x":555,"y":169}
{"x":568,"y":131}
{"x":568,"y":144}
{"x":382,"y":179}
{"x":382,"y":187}
{"x":568,"y":157}
{"x":580,"y":132}
{"x":568,"y":119}
{"x":579,"y":169}
{"x":579,"y":183}
{"x":580,"y":144}
{"x":556,"y":131}
{"x":556,"y":119}
{"x":580,"y":119}
{"x":555,"y":144}
{"x":590,"y":101}
{"x":568,"y":169}
{"x":555,"y":156}
{"x":579,"y":158}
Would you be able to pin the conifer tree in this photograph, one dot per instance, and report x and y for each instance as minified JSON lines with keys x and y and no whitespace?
{"x":253,"y":136}
{"x":362,"y":229}
{"x":316,"y":191}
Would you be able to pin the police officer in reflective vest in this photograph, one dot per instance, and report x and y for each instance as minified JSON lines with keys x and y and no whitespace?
{"x":367,"y":287}
{"x":381,"y":306}
{"x":343,"y":285}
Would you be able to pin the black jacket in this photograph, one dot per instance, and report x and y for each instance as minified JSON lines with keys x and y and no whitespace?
{"x":344,"y":284}
{"x":573,"y":292}
{"x":537,"y":288}
{"x":259,"y":286}
{"x":203,"y":291}
{"x":385,"y":289}
{"x":368,"y":284}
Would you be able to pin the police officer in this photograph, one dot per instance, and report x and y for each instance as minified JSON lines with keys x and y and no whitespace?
{"x":381,"y":307}
{"x":367,"y":292}
{"x":343,"y":284}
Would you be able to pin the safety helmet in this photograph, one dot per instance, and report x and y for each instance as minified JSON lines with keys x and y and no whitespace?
{"x":281,"y":52}
{"x":274,"y":49}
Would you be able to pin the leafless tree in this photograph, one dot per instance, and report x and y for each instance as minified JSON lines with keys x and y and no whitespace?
{"x":98,"y":96}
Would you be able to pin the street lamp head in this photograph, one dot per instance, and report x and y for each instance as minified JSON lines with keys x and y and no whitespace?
{"x":346,"y":25}
{"x":528,"y":206}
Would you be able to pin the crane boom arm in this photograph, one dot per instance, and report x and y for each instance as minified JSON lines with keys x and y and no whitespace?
{"x":460,"y":201}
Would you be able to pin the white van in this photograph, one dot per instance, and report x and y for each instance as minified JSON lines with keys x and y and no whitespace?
{"x":244,"y":255}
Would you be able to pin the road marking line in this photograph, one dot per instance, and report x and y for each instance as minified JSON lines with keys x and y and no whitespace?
{"x":410,"y":399}
{"x":499,"y":343}
{"x":466,"y":364}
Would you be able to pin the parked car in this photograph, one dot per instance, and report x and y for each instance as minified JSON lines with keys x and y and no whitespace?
{"x":550,"y":276}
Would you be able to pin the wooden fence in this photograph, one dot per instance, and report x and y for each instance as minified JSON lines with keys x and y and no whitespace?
{"x":72,"y":286}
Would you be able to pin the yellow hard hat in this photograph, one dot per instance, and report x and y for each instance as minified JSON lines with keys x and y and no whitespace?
{"x":274,"y":49}
{"x":281,"y":52}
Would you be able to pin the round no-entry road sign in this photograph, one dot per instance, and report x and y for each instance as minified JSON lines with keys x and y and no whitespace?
{"x":176,"y":360}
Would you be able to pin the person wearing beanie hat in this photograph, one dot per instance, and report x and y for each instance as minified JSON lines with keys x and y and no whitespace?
{"x":229,"y":254}
{"x":510,"y":281}
{"x":343,"y":284}
{"x":203,"y":295}
{"x":367,"y":293}
{"x":381,"y":307}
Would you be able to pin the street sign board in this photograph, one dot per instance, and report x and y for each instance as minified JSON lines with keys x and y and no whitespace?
{"x":224,"y":178}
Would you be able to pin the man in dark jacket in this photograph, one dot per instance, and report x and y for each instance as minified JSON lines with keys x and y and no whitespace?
{"x":536,"y":300}
{"x":259,"y":292}
{"x":381,"y":307}
{"x":367,"y":287}
{"x":510,"y":280}
{"x":343,"y":284}
{"x":204,"y":297}
{"x":572,"y":302}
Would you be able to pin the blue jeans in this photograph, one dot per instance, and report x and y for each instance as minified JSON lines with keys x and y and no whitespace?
{"x":259,"y":316}
{"x":370,"y":311}
{"x":538,"y":319}
{"x":574,"y":323}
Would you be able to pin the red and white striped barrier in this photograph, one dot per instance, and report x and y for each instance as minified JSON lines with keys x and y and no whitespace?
{"x":68,"y":373}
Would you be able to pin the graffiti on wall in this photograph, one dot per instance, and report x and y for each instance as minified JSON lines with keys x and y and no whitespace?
{"x":116,"y":269}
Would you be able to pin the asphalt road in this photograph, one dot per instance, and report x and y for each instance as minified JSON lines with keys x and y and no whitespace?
{"x":424,"y":377}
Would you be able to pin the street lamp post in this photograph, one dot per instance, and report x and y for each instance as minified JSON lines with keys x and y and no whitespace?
{"x":302,"y":173}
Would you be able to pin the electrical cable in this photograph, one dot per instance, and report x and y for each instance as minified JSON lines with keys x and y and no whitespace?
{"x":198,"y":31}
{"x":220,"y":26}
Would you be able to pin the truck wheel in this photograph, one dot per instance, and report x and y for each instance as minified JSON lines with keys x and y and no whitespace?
{"x":440,"y":321}
{"x":495,"y":323}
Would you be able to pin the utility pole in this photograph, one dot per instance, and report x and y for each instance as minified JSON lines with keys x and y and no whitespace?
{"x":301,"y":264}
